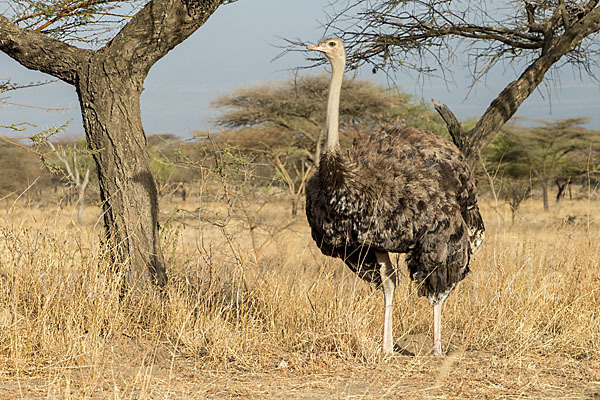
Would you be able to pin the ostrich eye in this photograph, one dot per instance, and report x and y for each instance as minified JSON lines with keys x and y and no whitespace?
{"x":331,"y":44}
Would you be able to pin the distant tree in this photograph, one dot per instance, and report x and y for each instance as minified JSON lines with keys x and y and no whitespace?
{"x":293,"y":171}
{"x":41,"y":34}
{"x":553,"y":147}
{"x":297,"y":109}
{"x":158,"y":139}
{"x":561,"y":185}
{"x":511,"y":171}
{"x":77,"y":170}
{"x":429,"y":35}
{"x":551,"y":151}
{"x":514,"y":192}
{"x":506,"y":154}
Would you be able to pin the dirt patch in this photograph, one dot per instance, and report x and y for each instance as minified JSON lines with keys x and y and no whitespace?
{"x":456,"y":376}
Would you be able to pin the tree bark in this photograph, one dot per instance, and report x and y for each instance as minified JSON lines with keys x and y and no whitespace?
{"x":109,"y":82}
{"x":112,"y":120}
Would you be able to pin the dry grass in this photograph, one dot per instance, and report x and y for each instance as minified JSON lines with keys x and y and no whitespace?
{"x":525,"y":323}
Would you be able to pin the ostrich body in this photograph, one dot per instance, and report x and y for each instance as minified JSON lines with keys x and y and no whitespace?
{"x":404,"y":190}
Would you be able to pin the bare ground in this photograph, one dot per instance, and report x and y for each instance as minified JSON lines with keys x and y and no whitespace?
{"x":458,"y":375}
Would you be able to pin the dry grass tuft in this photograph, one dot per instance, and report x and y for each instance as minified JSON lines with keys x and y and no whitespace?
{"x":524,"y":323}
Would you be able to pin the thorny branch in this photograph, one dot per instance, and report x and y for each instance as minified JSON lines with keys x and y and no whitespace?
{"x":411,"y":34}
{"x":427,"y":36}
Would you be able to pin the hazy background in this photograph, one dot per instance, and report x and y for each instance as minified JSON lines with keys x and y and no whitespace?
{"x":235,"y":48}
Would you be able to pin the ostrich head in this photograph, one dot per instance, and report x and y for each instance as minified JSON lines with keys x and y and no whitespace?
{"x":332,"y":48}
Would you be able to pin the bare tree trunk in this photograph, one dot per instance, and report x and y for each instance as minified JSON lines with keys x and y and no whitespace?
{"x":184,"y":192}
{"x":111,"y":117}
{"x":561,"y":188}
{"x":545,"y":195}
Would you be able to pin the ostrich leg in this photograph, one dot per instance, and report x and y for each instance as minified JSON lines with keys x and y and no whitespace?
{"x":437,"y":329}
{"x":388,"y":285}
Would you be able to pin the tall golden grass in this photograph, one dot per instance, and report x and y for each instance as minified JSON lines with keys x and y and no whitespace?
{"x":242,"y":301}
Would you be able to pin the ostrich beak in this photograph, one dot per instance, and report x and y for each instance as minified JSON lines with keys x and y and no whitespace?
{"x":314,"y":47}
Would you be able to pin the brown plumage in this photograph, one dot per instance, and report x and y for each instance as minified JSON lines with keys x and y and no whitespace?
{"x":409,"y":191}
{"x":404,"y":190}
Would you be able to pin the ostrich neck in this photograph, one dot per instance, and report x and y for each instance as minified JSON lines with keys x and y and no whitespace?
{"x":333,"y":104}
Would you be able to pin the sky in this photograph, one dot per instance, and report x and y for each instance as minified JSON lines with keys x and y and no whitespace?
{"x":235,"y":48}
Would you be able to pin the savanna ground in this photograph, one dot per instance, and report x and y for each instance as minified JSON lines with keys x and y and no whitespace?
{"x":262,"y":314}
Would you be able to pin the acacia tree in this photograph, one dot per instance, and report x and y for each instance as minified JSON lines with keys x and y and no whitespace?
{"x":295,"y":176}
{"x":510,"y":176}
{"x":554,"y":150}
{"x":109,"y":82}
{"x":296,"y":108}
{"x":534,"y":35}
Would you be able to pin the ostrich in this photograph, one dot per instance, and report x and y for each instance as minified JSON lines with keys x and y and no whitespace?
{"x":404,"y":190}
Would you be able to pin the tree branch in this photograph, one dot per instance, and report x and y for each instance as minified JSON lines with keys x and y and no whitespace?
{"x":454,"y":127}
{"x":156,"y":29}
{"x":533,"y":26}
{"x":508,"y":101}
{"x":511,"y":37}
{"x":37,"y":51}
